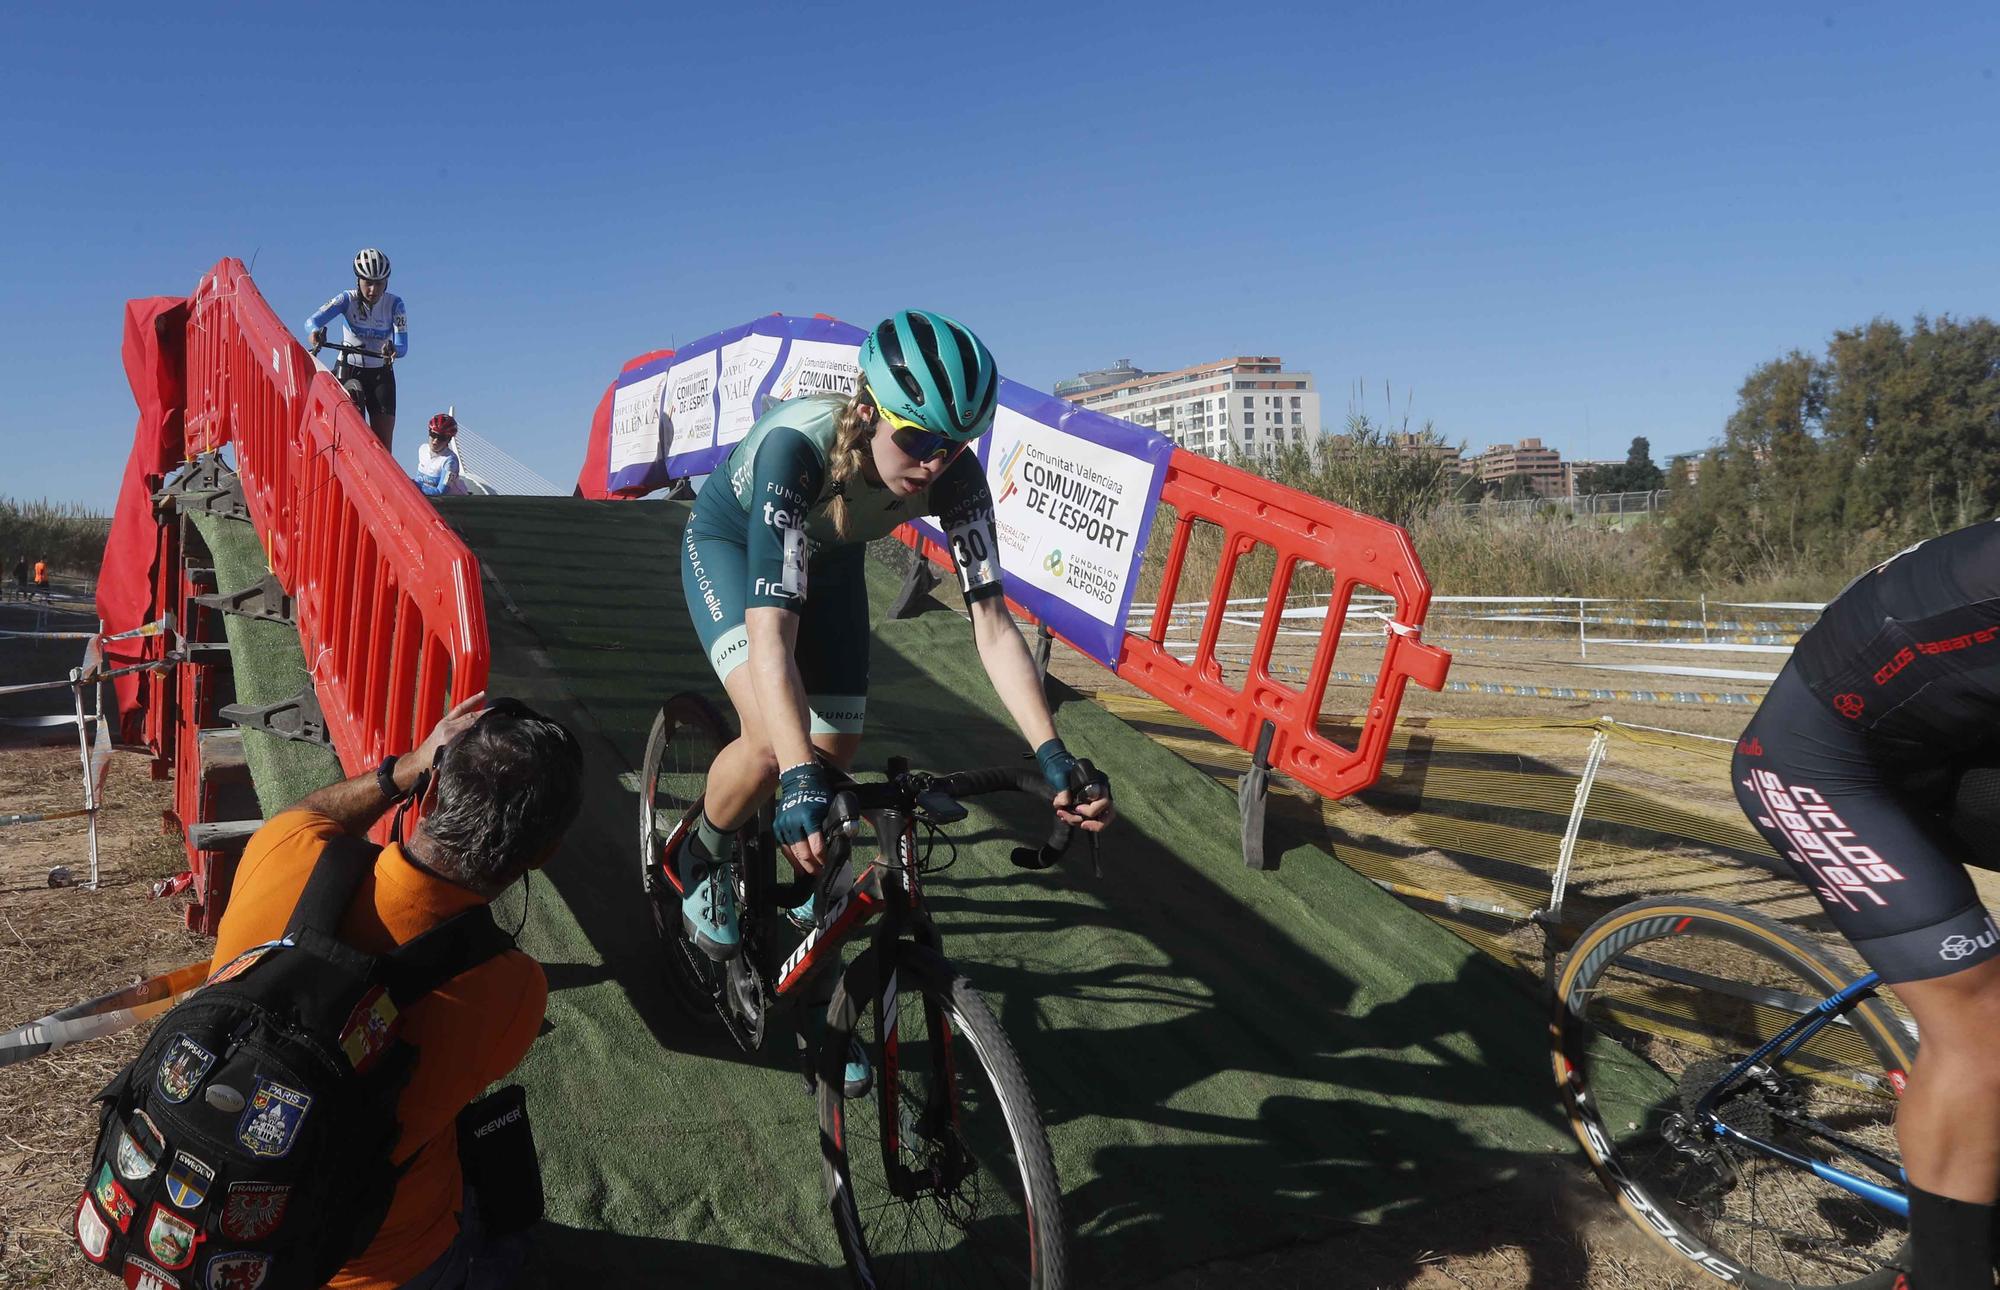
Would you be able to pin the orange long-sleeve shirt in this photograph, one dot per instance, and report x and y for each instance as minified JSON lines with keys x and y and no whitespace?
{"x":468,"y":1033}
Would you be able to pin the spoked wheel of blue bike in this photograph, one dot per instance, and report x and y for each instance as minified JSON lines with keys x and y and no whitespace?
{"x":1657,"y":1003}
{"x":940,"y":1175}
{"x":686,"y":736}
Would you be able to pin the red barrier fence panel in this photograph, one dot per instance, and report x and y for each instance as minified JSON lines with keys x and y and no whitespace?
{"x":389,"y":604}
{"x":1357,"y":551}
{"x":388,"y":599}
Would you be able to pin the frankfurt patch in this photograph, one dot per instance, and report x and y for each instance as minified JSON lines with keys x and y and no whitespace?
{"x":169,"y":1238}
{"x":270,"y":1124}
{"x":241,"y":1270}
{"x":253,"y":1210}
{"x":182,"y":1068}
{"x":92,"y":1232}
{"x":188,"y":1180}
{"x":117,"y":1202}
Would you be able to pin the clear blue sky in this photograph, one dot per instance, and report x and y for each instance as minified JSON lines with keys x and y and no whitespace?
{"x":1530,"y":222}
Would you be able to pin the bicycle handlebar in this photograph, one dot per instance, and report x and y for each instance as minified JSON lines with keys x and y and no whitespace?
{"x":1086,"y":784}
{"x":358,"y":351}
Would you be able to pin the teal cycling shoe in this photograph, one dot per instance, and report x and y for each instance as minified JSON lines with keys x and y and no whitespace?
{"x":708,"y":911}
{"x":858,"y":1075}
{"x":801,"y":916}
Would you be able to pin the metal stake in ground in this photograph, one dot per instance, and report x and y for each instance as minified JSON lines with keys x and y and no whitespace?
{"x":89,"y":788}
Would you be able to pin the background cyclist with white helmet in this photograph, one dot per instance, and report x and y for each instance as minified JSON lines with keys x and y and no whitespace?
{"x":772,"y":569}
{"x":439,"y":473}
{"x":373,"y":319}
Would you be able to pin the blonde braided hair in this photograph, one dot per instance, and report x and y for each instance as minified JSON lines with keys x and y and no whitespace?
{"x":850,"y":451}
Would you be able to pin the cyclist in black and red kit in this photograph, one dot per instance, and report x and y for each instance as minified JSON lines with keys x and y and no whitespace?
{"x":1851,"y":768}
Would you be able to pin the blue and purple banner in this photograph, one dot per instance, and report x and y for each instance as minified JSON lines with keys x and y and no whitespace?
{"x":1073,"y":490}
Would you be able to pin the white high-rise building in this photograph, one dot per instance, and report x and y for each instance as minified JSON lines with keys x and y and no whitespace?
{"x":1247,"y":404}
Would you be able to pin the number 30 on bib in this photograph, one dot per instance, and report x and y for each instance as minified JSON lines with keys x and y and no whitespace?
{"x":975,"y":551}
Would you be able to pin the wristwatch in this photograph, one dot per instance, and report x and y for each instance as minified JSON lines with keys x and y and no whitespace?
{"x":385,"y":779}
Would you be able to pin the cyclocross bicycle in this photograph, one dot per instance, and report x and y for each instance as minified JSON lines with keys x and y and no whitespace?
{"x":941,"y":1174}
{"x":1736,"y":1090}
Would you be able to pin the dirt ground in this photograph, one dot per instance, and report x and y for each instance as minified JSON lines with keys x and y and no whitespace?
{"x":59,"y":946}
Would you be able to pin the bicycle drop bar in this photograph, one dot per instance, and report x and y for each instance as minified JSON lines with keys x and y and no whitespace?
{"x":853,"y":803}
{"x":357,"y":350}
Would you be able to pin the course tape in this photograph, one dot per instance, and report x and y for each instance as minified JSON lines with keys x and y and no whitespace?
{"x":1556,"y":691}
{"x":105,"y":1015}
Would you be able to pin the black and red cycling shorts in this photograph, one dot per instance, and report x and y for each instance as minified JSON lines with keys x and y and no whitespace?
{"x":1877,"y":843}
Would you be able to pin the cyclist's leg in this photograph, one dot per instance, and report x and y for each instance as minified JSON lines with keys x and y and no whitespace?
{"x":833,"y":652}
{"x":744,"y":773}
{"x":382,"y":408}
{"x":1891,"y":876}
{"x":357,"y":392}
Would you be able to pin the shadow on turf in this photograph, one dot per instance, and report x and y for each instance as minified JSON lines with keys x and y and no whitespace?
{"x":559,"y":1255}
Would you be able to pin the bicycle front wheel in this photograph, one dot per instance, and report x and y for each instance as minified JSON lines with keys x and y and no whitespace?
{"x":1656,"y":1004}
{"x":941,"y":1175}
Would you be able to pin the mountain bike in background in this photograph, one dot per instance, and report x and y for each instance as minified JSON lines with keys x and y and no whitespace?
{"x":1736,"y":1090}
{"x":940,"y":1173}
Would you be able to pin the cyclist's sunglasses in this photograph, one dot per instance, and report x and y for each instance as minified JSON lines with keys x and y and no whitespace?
{"x":918,"y":443}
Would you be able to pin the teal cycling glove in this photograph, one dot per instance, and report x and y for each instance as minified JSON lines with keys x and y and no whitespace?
{"x":803,"y":798}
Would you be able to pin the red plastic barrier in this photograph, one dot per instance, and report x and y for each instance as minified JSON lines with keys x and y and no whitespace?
{"x":1358,"y":550}
{"x":387,"y":596}
{"x":134,"y":576}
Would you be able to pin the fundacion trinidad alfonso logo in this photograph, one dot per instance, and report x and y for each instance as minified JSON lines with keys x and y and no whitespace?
{"x":1053,"y":563}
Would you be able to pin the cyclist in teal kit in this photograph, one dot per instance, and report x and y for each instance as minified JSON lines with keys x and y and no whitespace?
{"x":772,"y":570}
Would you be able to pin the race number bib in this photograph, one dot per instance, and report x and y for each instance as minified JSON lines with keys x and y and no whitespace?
{"x":975,"y":552}
{"x":792,"y":578}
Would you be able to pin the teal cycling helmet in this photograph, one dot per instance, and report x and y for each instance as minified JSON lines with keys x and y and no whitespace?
{"x":929,"y":369}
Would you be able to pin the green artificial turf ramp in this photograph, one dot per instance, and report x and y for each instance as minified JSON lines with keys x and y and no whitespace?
{"x":1228,"y":1061}
{"x":268,"y":666}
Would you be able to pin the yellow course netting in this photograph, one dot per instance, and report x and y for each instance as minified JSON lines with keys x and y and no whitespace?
{"x":1469,"y":817}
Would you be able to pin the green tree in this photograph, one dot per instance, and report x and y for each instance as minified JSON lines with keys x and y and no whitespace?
{"x":1833,"y":461}
{"x":1396,"y":477}
{"x":1636,"y":474}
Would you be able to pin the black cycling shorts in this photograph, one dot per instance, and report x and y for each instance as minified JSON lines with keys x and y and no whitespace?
{"x":1881,"y":847}
{"x":373,"y":390}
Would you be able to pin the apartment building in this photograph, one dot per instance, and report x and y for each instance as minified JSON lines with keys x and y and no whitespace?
{"x":1248,"y":405}
{"x":1543,"y":466}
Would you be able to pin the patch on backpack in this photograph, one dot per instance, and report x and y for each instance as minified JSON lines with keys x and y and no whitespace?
{"x":92,"y":1232}
{"x":141,"y":1275}
{"x":188,"y":1181}
{"x":370,"y":1029}
{"x":270,"y":1124}
{"x":169,"y":1238}
{"x":117,"y":1202}
{"x":135,"y":1163}
{"x":182,"y":1069}
{"x":239,"y":1270}
{"x":239,"y":965}
{"x":253,"y":1210}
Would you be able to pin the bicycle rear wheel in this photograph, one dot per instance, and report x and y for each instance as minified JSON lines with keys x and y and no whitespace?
{"x":1657,"y":1002}
{"x":687,"y":734}
{"x":942,"y":1174}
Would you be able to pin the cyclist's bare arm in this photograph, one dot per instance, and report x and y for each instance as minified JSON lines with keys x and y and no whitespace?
{"x":1012,"y":670}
